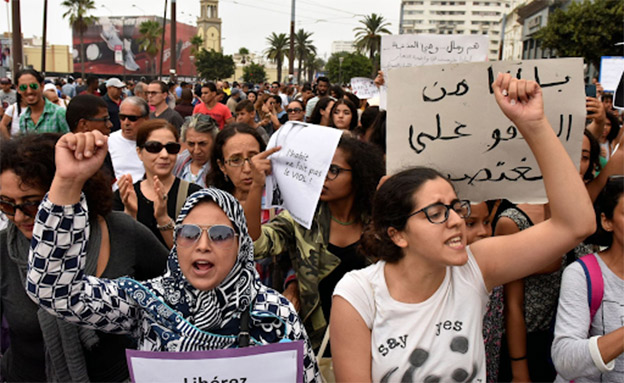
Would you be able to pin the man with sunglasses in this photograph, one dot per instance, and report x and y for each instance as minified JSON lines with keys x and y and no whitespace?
{"x":41,"y":115}
{"x":157,"y":92}
{"x":122,"y":144}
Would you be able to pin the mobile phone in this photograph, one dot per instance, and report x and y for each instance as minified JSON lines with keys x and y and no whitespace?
{"x":590,"y":90}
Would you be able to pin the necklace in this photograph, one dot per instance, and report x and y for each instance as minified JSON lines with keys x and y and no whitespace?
{"x":342,"y":223}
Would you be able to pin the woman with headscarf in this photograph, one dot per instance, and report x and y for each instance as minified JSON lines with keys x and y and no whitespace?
{"x":209,"y":285}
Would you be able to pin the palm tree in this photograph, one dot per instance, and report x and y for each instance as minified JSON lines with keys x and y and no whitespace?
{"x":313,"y":64}
{"x":79,"y":20}
{"x":368,"y":37}
{"x":303,"y":48}
{"x":277,"y":50}
{"x":196,"y":44}
{"x":151,"y":32}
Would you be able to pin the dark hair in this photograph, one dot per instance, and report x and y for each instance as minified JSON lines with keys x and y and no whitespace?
{"x":254,"y":92}
{"x":298,"y":102}
{"x":615,"y":126}
{"x":321,"y":104}
{"x":352,"y":108}
{"x":337,"y":90}
{"x":378,"y":134}
{"x":31,"y":72}
{"x":391,"y":206}
{"x":92,"y":80}
{"x":215,"y":177}
{"x":276,"y":82}
{"x":163,"y":87}
{"x":605,"y":204}
{"x":31,"y":158}
{"x":353,"y":98}
{"x":245,"y":105}
{"x":594,"y":157}
{"x":368,"y":117}
{"x":306,"y":87}
{"x":367,"y":168}
{"x":186,"y":97}
{"x":83,"y":106}
{"x":277,"y":98}
{"x":210,"y":85}
{"x":323,"y":79}
{"x":146,"y":128}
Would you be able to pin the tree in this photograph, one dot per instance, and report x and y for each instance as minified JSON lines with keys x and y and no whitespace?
{"x":243,"y":52}
{"x":353,"y":65}
{"x":213,"y":65}
{"x":277,"y":50}
{"x":588,"y":29}
{"x":368,"y":36}
{"x":254,"y":73}
{"x":313,"y":64}
{"x":303,"y":48}
{"x":80,"y":21}
{"x":196,"y":44}
{"x":151,"y":32}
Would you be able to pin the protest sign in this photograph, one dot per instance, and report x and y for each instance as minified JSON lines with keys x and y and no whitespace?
{"x":278,"y":362}
{"x":400,"y":51}
{"x":364,"y":88}
{"x":611,"y":70}
{"x":446,"y":117}
{"x":299,"y":168}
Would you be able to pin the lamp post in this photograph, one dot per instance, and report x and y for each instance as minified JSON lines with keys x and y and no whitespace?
{"x":340,"y":60}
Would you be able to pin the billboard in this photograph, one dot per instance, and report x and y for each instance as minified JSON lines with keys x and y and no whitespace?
{"x":112,"y":47}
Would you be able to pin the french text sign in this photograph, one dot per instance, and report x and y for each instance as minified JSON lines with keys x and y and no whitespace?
{"x":446,"y":117}
{"x":611,"y":70}
{"x":299,"y":168}
{"x":278,"y":362}
{"x":364,"y":88}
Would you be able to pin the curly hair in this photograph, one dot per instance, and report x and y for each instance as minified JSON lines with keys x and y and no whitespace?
{"x":31,"y":158}
{"x":215,"y":177}
{"x":391,"y":207}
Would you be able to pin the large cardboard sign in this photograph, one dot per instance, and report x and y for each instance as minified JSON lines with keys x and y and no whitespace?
{"x":299,"y":168}
{"x":279,"y":362}
{"x":446,"y":117}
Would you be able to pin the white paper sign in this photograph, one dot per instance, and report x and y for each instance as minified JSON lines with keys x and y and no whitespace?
{"x":364,"y":88}
{"x":446,"y":117}
{"x":611,"y":69}
{"x":279,"y":362}
{"x":299,"y":168}
{"x":400,"y":51}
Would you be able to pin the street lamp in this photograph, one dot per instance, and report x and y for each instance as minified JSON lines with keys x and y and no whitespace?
{"x":340,"y":60}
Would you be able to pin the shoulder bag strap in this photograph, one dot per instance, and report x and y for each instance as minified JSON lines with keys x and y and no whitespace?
{"x":182,"y":192}
{"x":595,"y":283}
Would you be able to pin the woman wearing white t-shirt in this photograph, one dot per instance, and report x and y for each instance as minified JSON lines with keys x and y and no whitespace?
{"x":11,"y":118}
{"x":417,"y":314}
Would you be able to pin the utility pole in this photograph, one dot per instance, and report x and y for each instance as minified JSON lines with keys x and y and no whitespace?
{"x":173,"y":41}
{"x":17,"y":39}
{"x":44,"y":37}
{"x":162,"y":44}
{"x":291,"y":53}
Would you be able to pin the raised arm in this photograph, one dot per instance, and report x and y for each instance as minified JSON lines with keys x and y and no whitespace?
{"x":507,"y":258}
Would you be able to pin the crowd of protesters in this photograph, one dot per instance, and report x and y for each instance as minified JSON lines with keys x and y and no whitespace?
{"x":107,"y":187}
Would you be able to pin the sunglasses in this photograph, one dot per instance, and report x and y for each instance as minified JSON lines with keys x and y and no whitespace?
{"x":157,"y":147}
{"x":221,"y":236}
{"x":29,"y":208}
{"x":294,"y":110}
{"x":129,"y":117}
{"x":24,"y":87}
{"x":103,"y":119}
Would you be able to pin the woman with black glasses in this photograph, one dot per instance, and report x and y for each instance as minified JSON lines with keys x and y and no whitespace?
{"x":209,"y":297}
{"x":43,"y":348}
{"x":157,"y":198}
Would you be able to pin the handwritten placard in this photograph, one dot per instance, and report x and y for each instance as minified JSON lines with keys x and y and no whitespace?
{"x":299,"y":168}
{"x":611,"y":70}
{"x":364,"y":88}
{"x":452,"y":123}
{"x":279,"y":362}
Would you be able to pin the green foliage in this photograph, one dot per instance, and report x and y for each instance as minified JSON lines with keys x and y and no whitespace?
{"x":368,"y":36}
{"x":313,"y":64}
{"x":588,"y":29}
{"x":151,"y":33}
{"x":196,"y":43}
{"x":304,"y":48}
{"x":278,"y":50}
{"x":213,"y":65}
{"x":254,"y":73}
{"x":353,"y":65}
{"x":79,"y":20}
{"x":243,"y":51}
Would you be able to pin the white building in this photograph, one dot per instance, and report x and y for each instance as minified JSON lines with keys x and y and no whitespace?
{"x":456,"y":17}
{"x":342,"y":46}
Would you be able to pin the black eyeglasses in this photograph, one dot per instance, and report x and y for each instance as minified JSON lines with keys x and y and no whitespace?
{"x":103,"y":119}
{"x":238,"y":161}
{"x":129,"y":117}
{"x":24,"y":87}
{"x":438,"y":212}
{"x":157,"y":147}
{"x":29,"y":207}
{"x":294,"y":110}
{"x":221,"y":236}
{"x":334,"y":172}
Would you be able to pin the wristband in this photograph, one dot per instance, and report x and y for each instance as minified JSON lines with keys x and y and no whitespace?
{"x":168,"y":226}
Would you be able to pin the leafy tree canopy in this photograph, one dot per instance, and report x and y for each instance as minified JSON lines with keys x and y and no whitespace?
{"x":588,"y":29}
{"x":254,"y":73}
{"x":353,"y":65}
{"x":213,"y":65}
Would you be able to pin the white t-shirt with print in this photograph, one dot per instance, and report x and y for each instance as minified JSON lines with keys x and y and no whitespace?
{"x":439,"y":339}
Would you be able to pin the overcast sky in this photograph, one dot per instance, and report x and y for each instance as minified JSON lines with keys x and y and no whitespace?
{"x":245,"y":23}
